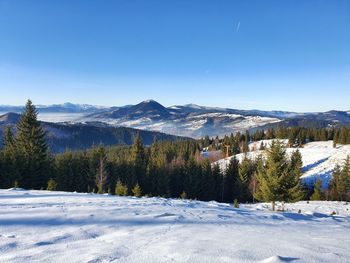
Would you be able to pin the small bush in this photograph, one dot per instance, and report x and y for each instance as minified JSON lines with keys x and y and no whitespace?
{"x":51,"y":185}
{"x":121,"y":189}
{"x":183,"y":195}
{"x":136,"y":191}
{"x":235,"y":203}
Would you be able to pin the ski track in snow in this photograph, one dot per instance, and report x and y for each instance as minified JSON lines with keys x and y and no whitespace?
{"x":42,"y":226}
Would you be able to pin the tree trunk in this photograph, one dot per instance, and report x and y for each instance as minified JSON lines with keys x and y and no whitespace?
{"x":273,"y":205}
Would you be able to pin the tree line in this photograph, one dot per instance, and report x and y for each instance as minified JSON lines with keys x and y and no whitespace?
{"x":296,"y":136}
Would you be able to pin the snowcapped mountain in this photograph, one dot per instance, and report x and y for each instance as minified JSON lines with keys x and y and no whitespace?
{"x":56,"y":108}
{"x":189,"y":120}
{"x":147,"y":109}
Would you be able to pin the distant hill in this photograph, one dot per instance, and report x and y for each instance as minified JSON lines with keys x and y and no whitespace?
{"x":188,"y":120}
{"x":61,"y":136}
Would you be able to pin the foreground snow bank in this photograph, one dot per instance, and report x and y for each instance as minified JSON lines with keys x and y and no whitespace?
{"x":41,"y":226}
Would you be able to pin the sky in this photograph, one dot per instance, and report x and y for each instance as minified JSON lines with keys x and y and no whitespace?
{"x":244,"y":54}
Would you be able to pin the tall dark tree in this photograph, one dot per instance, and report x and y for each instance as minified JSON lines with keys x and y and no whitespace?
{"x":275,"y":180}
{"x":232,"y":182}
{"x":207,"y":182}
{"x":246,"y":171}
{"x":10,"y":170}
{"x":139,"y":164}
{"x":32,"y":147}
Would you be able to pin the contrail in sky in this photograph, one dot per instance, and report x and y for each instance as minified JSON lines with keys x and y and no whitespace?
{"x":238,"y":25}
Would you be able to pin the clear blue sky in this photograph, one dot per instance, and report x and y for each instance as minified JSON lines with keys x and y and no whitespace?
{"x":288,"y":55}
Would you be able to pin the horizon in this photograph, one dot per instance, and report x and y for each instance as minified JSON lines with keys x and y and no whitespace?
{"x":269,"y":55}
{"x":166,"y":106}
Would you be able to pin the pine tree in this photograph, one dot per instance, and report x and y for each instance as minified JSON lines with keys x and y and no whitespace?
{"x":296,"y":163}
{"x":10,"y":170}
{"x":295,"y":190}
{"x":32,"y":147}
{"x":318,"y":193}
{"x":51,"y":185}
{"x":136,"y":191}
{"x":246,"y":170}
{"x":121,"y":189}
{"x":344,"y":183}
{"x":139,"y":163}
{"x":217,"y":176}
{"x":275,"y":179}
{"x":232,"y":182}
{"x":334,"y":183}
{"x":207,"y":182}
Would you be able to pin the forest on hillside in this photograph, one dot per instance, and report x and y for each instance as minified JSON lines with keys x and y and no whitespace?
{"x":170,"y":168}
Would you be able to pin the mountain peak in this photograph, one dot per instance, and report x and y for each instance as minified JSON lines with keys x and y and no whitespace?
{"x":149,"y":101}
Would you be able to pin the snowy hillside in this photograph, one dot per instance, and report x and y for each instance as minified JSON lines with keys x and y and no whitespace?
{"x":41,"y":226}
{"x":319,"y":158}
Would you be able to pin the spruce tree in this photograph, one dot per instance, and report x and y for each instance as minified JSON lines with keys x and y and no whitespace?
{"x":10,"y":170}
{"x":51,"y":185}
{"x":32,"y":147}
{"x":232,"y":182}
{"x":275,"y":179}
{"x":318,"y":193}
{"x":333,"y":188}
{"x":138,"y":163}
{"x":246,"y":170}
{"x":207,"y":182}
{"x":121,"y":189}
{"x":136,"y":191}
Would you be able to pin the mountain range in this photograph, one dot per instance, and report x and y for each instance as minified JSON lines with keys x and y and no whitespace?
{"x":79,"y":136}
{"x":182,"y":120}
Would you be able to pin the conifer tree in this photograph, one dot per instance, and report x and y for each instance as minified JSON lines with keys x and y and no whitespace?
{"x":51,"y":185}
{"x":32,"y":147}
{"x":207,"y":182}
{"x":121,"y":189}
{"x":10,"y":171}
{"x":138,"y":162}
{"x":318,"y":193}
{"x":334,"y":184}
{"x":274,"y":178}
{"x":344,"y":183}
{"x":232,"y":182}
{"x":136,"y":191}
{"x":246,"y":170}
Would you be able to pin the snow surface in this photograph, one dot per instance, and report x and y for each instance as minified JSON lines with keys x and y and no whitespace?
{"x":319,"y":158}
{"x":42,"y":226}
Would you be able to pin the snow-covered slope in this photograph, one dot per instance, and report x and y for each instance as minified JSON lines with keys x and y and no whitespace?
{"x":319,"y":158}
{"x":41,"y":226}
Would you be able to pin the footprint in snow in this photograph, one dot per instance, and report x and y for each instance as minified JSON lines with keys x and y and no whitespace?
{"x":278,"y":259}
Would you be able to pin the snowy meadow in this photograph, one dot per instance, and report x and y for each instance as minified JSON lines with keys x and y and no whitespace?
{"x":43,"y":226}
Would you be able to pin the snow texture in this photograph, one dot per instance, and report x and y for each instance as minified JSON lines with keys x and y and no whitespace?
{"x":42,"y":226}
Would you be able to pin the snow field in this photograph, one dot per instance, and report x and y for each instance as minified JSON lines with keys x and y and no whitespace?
{"x":42,"y":226}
